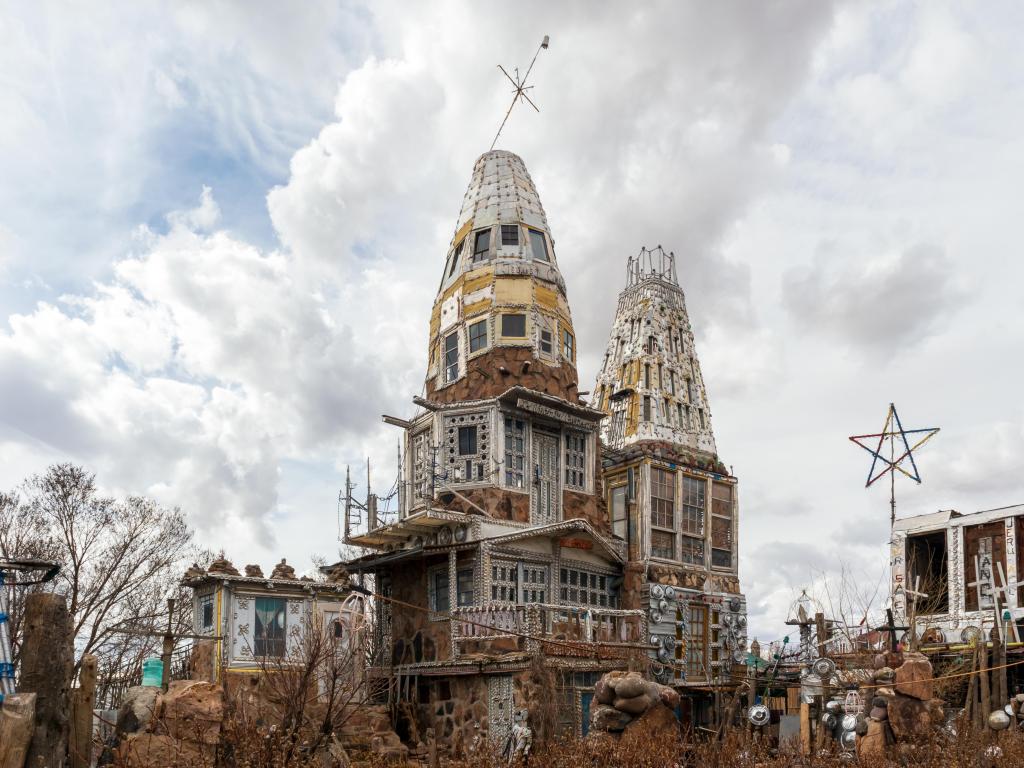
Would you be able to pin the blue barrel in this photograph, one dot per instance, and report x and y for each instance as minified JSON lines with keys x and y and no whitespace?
{"x":152,"y":672}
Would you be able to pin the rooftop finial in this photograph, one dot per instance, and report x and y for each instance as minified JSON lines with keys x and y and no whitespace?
{"x":520,"y":88}
{"x":651,"y":263}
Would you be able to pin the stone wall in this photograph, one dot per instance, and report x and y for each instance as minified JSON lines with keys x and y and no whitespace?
{"x":484,"y":378}
{"x":414,"y":636}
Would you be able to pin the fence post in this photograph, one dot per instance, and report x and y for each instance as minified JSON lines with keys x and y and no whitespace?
{"x":46,"y":664}
{"x":83,"y":701}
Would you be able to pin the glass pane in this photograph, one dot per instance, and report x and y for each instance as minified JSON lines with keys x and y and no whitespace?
{"x":538,"y":245}
{"x":513,"y":325}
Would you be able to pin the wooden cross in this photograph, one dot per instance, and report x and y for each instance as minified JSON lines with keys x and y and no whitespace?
{"x":890,"y":627}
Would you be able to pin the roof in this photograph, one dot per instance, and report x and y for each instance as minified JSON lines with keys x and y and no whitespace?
{"x":279,"y":585}
{"x":565,"y":526}
{"x":950,"y":517}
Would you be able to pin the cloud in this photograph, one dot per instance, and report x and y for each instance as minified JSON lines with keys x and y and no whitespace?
{"x":877,"y":305}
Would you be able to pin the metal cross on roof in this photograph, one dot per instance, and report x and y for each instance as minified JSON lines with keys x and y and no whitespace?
{"x":520,"y":88}
{"x":900,"y":451}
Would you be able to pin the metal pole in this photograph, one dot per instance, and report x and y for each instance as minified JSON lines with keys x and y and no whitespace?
{"x":6,"y":654}
{"x":168,"y":647}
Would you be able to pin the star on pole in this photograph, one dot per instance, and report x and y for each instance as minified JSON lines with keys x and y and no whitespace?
{"x":519,"y":88}
{"x":899,"y":442}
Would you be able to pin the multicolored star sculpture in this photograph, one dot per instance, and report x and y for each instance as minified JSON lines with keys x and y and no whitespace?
{"x":900,"y":451}
{"x":897,"y":436}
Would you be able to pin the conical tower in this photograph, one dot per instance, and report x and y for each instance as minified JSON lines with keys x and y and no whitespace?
{"x":650,"y":382}
{"x":501,"y":317}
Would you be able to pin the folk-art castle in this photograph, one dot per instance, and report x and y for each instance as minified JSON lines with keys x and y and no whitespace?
{"x":540,"y":539}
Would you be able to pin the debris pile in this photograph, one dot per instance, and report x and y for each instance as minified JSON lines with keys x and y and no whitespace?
{"x":903,"y":708}
{"x":180,"y":726}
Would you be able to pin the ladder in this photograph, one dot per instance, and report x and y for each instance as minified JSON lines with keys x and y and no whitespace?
{"x":7,"y":569}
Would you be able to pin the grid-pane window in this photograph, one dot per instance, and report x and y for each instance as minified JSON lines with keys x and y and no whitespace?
{"x":534,"y":586}
{"x":567,"y":345}
{"x":206,"y":612}
{"x":451,"y":356}
{"x":464,"y":586}
{"x":478,"y":336}
{"x":439,"y":598}
{"x":663,"y":544}
{"x":515,"y":452}
{"x":721,"y":525}
{"x":467,"y":441}
{"x":538,"y":245}
{"x":545,"y":341}
{"x":647,"y":408}
{"x":504,"y":581}
{"x":691,"y":550}
{"x":662,"y":498}
{"x":481,"y":244}
{"x":271,"y":623}
{"x":697,"y":643}
{"x":576,"y":460}
{"x":510,"y":234}
{"x":618,"y":510}
{"x":579,"y":587}
{"x":692,"y":521}
{"x":513,"y":325}
{"x":466,"y":446}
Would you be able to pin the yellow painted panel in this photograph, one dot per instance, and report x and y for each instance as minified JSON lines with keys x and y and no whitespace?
{"x":463,"y":231}
{"x":476,"y":307}
{"x":546,"y":297}
{"x":481,"y":278}
{"x":633,"y":418}
{"x":513,"y":290}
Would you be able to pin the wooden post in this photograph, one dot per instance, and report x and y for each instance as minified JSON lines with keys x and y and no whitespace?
{"x":83,"y":703}
{"x":46,"y":664}
{"x":986,"y":697}
{"x":971,"y":704}
{"x":805,"y":727}
{"x":999,"y":696}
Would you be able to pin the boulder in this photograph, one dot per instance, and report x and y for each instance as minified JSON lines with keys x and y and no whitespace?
{"x":910,"y":719}
{"x":192,"y":710}
{"x":873,"y":743}
{"x":630,"y":686}
{"x":603,"y":691}
{"x":151,"y":750}
{"x":201,"y":661}
{"x":668,"y":696}
{"x":636,"y":705}
{"x":658,"y":725}
{"x":914,"y":677}
{"x":606,"y":718}
{"x":137,"y":708}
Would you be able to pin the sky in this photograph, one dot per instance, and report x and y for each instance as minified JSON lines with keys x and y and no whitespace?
{"x":222,"y":226}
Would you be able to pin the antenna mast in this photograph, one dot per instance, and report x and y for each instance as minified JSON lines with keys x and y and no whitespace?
{"x":520,"y":88}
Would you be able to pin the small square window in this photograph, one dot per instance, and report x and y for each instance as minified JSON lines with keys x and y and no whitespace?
{"x":510,"y":234}
{"x":478,"y":336}
{"x":481,"y":245}
{"x":513,"y":325}
{"x":538,"y":245}
{"x":567,"y":345}
{"x":467,"y":441}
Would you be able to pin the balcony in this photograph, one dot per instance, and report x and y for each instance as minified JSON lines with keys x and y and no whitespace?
{"x":557,"y":630}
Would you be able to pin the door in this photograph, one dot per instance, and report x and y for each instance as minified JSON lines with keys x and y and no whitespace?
{"x":585,"y":698}
{"x":544,"y":502}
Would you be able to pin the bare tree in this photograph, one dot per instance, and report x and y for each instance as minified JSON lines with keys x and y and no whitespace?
{"x":120,"y":558}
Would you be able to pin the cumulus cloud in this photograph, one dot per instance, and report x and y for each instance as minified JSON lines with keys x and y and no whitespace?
{"x":876,"y":305}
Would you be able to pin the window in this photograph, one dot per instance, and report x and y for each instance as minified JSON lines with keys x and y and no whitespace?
{"x":575,"y":460}
{"x":504,"y":581}
{"x":580,"y":587}
{"x":515,"y":454}
{"x":545,"y":341}
{"x":481,"y":245}
{"x":697,"y":645}
{"x":467,"y":441}
{"x":514,"y":326}
{"x":464,"y":586}
{"x":679,"y":415}
{"x":440,"y":600}
{"x":664,"y":411}
{"x":693,"y":506}
{"x":618,"y":510}
{"x":567,"y":345}
{"x":672,"y":381}
{"x":663,"y":544}
{"x":647,"y":375}
{"x":421,"y":466}
{"x":538,"y":245}
{"x":647,"y":408}
{"x":456,"y":255}
{"x":688,"y":424}
{"x":534,"y":585}
{"x":510,"y":234}
{"x":663,"y":494}
{"x":692,"y":550}
{"x":206,"y":612}
{"x":689,"y":390}
{"x":721,"y":525}
{"x":661,"y":376}
{"x":652,"y":345}
{"x":451,"y":356}
{"x":270,"y":622}
{"x":700,"y":413}
{"x":478,"y":336}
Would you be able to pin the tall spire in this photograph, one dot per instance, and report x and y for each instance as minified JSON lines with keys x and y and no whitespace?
{"x":650,"y":382}
{"x":501,"y":317}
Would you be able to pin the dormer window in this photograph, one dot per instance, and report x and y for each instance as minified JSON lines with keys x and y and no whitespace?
{"x":539,"y":245}
{"x":510,"y":234}
{"x":481,"y":245}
